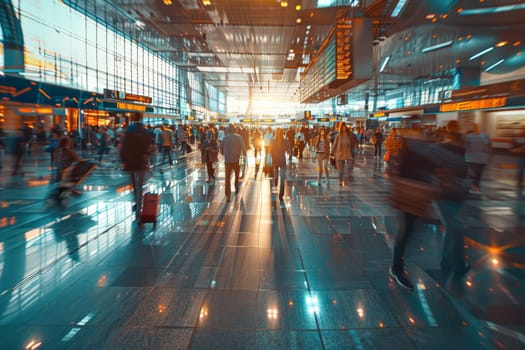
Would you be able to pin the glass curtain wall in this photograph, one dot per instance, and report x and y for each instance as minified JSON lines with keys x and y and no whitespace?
{"x":66,"y":47}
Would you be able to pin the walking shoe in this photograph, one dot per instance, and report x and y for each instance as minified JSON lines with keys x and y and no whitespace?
{"x":401,"y":279}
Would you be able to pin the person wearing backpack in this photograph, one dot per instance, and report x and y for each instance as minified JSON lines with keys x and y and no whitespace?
{"x":167,"y":144}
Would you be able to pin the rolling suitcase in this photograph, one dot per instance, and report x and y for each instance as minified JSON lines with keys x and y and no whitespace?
{"x":150,"y":208}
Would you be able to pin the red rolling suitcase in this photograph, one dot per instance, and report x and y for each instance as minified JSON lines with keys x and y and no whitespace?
{"x":150,"y":208}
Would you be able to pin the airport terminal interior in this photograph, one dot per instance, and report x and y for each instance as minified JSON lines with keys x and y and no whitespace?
{"x":288,"y":257}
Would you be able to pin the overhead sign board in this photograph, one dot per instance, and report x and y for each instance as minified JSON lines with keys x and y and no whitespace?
{"x":473,"y":104}
{"x":121,"y":95}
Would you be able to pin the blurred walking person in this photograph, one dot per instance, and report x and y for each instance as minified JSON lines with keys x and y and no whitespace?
{"x":518,"y":149}
{"x":377,"y":141}
{"x":279,"y":147}
{"x":137,"y":146}
{"x":14,"y":150}
{"x":393,"y":146}
{"x":451,"y":171}
{"x":322,"y":151}
{"x":343,"y":150}
{"x":477,"y":155}
{"x":210,"y":147}
{"x":412,"y":194}
{"x":232,"y":147}
{"x":167,"y":144}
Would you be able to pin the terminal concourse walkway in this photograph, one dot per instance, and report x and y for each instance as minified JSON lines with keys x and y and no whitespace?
{"x":253,"y":273}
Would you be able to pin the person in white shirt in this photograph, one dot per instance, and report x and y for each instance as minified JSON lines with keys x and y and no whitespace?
{"x":477,"y":154}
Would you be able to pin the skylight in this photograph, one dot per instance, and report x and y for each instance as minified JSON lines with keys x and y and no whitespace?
{"x":330,"y":3}
{"x":399,"y":7}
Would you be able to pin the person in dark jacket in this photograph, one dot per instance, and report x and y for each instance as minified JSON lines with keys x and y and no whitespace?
{"x":452,"y":174}
{"x":210,"y":149}
{"x":431,"y":173}
{"x":137,"y":146}
{"x":377,"y":140}
{"x":232,"y":147}
{"x":412,"y":194}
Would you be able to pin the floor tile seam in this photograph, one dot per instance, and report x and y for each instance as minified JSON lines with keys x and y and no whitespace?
{"x":260,"y":290}
{"x":209,"y":288}
{"x":308,"y":288}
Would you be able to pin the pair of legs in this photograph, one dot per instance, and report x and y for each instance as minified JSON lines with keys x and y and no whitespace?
{"x":211,"y":171}
{"x":166,"y":152}
{"x":475,"y":172}
{"x":279,"y":173}
{"x":228,"y":168}
{"x":183,"y":146}
{"x":453,"y":254}
{"x":292,"y":151}
{"x":341,"y":165}
{"x":300,"y":149}
{"x":406,"y":226}
{"x":377,"y":149}
{"x":322,"y":165}
{"x":137,"y":182}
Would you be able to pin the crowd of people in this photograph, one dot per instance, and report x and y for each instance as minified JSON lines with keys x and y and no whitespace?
{"x":431,"y":173}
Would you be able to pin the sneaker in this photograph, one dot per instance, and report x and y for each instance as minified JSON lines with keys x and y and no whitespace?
{"x":401,"y":279}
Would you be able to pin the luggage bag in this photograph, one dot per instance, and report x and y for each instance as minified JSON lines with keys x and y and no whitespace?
{"x":150,"y":208}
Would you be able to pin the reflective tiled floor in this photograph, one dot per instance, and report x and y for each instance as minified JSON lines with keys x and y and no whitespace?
{"x":308,"y":273}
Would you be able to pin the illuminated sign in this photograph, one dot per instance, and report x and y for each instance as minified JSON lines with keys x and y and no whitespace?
{"x":307,"y":115}
{"x":509,"y":88}
{"x":379,"y":114}
{"x":121,"y":95}
{"x":131,"y":106}
{"x":473,"y":104}
{"x":343,"y":59}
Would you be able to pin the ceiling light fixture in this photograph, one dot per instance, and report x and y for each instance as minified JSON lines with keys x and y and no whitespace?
{"x":298,"y":7}
{"x":167,"y":2}
{"x":491,"y":10}
{"x":284,"y":3}
{"x":206,"y":2}
{"x":494,"y":65}
{"x":481,"y":53}
{"x":437,"y":46}
{"x":383,"y":66}
{"x":398,"y":8}
{"x":502,"y":43}
{"x":298,"y":20}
